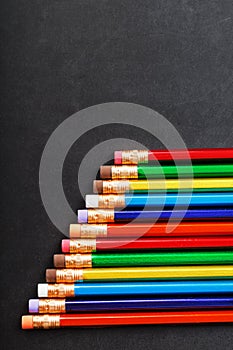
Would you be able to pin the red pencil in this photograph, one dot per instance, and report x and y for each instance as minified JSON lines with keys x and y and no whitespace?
{"x":99,"y":244}
{"x":151,"y":230}
{"x":145,"y":156}
{"x":125,"y":318}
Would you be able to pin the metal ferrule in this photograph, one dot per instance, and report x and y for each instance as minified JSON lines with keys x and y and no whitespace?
{"x":68,"y":276}
{"x":92,"y":231}
{"x":60,"y":290}
{"x":134,"y":157}
{"x":124,"y":172}
{"x":111,"y":201}
{"x":100,"y":216}
{"x":52,"y":306}
{"x":82,"y":245}
{"x":46,"y":321}
{"x":116,"y":186}
{"x":78,"y":261}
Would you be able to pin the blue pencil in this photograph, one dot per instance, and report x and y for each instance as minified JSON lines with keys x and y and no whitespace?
{"x":46,"y":290}
{"x":70,"y":305}
{"x":157,"y":200}
{"x":145,"y":216}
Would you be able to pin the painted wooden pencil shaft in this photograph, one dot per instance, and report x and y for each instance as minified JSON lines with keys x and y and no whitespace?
{"x":98,"y":216}
{"x":80,"y":290}
{"x":91,"y":245}
{"x":151,"y":230}
{"x":172,"y":185}
{"x":125,"y":318}
{"x":138,"y":273}
{"x":168,"y":171}
{"x":197,"y":154}
{"x":71,"y":305}
{"x":144,"y":259}
{"x":106,"y":201}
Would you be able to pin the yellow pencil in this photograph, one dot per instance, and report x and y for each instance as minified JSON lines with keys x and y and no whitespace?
{"x":139,"y":273}
{"x":197,"y":184}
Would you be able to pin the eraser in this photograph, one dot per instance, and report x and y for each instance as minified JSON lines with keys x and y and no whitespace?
{"x":118,"y":157}
{"x":42,"y":290}
{"x":27,"y":322}
{"x":82,"y":216}
{"x":92,"y":201}
{"x":98,"y":186}
{"x":59,"y":262}
{"x":106,"y":172}
{"x":51,"y":275}
{"x":75,"y":230}
{"x":33,"y":306}
{"x":65,"y":246}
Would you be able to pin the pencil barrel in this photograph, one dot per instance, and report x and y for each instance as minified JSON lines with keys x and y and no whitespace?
{"x":108,"y":259}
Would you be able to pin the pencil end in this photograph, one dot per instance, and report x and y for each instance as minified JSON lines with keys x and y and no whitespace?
{"x":82,"y":216}
{"x":98,"y":186}
{"x":65,"y":246}
{"x":75,"y":230}
{"x":105,"y":171}
{"x":59,"y":261}
{"x":27,"y":322}
{"x":42,"y":290}
{"x":118,"y":157}
{"x":92,"y":201}
{"x":33,"y":306}
{"x":51,"y":275}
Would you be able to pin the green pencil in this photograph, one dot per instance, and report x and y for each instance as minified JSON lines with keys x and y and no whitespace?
{"x":143,"y":259}
{"x":168,"y":171}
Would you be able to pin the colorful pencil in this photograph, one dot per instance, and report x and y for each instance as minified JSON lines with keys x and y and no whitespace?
{"x":211,"y":228}
{"x":169,"y":185}
{"x":147,"y":258}
{"x":81,"y":290}
{"x":110,"y":244}
{"x":98,"y":216}
{"x":71,"y":305}
{"x":146,"y":272}
{"x":125,"y":318}
{"x":117,"y":172}
{"x":106,"y":201}
{"x":75,"y":274}
{"x":131,"y":157}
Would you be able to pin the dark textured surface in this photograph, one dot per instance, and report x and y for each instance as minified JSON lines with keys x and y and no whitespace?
{"x":61,"y":56}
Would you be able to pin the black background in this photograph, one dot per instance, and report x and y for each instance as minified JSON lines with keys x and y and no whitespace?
{"x":62,"y":56}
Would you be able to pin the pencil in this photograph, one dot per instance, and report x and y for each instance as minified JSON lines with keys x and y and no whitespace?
{"x":138,"y":273}
{"x":106,"y":201}
{"x":147,"y":258}
{"x":117,"y":172}
{"x":125,"y":318}
{"x":169,"y":185}
{"x":93,"y":216}
{"x":144,"y":156}
{"x":209,"y":228}
{"x":81,"y":290}
{"x":71,"y":305}
{"x":111,"y":244}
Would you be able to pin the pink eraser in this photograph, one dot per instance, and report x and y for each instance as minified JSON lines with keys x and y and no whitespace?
{"x":82,"y":216}
{"x":33,"y":306}
{"x":65,"y":246}
{"x":118,"y":157}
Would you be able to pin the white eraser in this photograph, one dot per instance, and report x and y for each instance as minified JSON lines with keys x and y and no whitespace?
{"x":92,"y":201}
{"x":42,"y":290}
